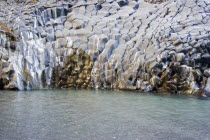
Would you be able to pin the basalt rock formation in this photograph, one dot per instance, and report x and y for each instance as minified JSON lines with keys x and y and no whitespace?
{"x":145,"y":45}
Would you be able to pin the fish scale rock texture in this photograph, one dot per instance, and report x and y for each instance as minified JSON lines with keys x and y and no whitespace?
{"x":144,"y":45}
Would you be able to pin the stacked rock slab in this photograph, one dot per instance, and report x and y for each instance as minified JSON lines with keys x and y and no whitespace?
{"x":144,"y":45}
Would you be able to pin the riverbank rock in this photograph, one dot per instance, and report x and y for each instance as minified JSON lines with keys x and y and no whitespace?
{"x":145,"y":45}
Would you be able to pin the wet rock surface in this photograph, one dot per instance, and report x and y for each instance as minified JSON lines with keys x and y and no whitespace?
{"x":145,"y":45}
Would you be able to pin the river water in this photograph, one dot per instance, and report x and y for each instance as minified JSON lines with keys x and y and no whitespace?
{"x":101,"y":115}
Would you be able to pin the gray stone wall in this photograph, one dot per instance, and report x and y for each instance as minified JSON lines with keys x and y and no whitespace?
{"x":145,"y":45}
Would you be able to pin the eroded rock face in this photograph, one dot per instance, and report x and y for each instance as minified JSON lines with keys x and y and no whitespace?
{"x":155,"y":1}
{"x":146,"y":45}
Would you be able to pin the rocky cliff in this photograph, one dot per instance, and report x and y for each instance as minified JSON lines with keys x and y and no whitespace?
{"x":145,"y":45}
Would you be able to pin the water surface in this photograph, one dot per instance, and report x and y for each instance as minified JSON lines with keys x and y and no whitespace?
{"x":101,"y":115}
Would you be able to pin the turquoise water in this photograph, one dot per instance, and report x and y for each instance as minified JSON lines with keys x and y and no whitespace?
{"x":101,"y":115}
